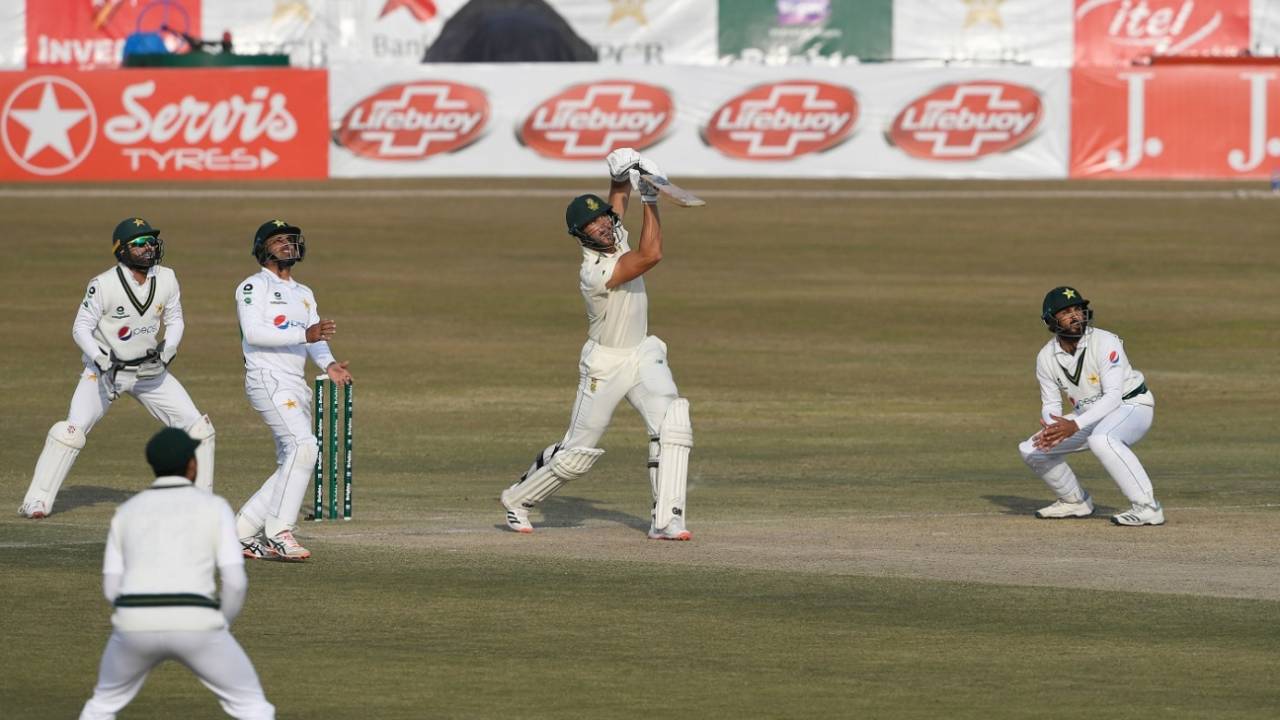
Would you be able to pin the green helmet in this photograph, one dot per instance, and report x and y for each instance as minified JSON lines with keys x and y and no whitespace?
{"x":581,"y":211}
{"x":270,"y":229}
{"x":131,"y":229}
{"x":1058,"y":299}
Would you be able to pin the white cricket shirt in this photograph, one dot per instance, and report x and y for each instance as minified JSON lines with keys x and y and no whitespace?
{"x":168,"y":540}
{"x":1095,"y":378}
{"x":118,"y":314}
{"x":619,"y":317}
{"x":274,"y":317}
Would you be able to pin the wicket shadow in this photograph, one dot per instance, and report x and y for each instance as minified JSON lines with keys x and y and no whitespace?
{"x":1016,"y":505}
{"x":572,"y":512}
{"x":85,"y":495}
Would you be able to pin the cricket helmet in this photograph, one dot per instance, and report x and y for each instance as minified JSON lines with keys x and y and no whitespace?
{"x":1058,"y":299}
{"x":272,"y":228}
{"x":581,"y":211}
{"x":129,"y":230}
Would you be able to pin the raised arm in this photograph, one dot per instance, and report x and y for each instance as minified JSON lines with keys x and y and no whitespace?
{"x":648,"y":251}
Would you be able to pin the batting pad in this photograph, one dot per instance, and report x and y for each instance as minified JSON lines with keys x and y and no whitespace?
{"x":675,"y":437}
{"x":63,"y":444}
{"x":564,"y":466}
{"x":202,"y":430}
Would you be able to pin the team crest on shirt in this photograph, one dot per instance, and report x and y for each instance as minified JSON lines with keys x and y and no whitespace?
{"x":1093,"y":378}
{"x":290,"y":404}
{"x":593,"y":384}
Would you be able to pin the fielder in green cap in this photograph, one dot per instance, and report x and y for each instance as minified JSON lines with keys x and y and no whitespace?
{"x":158,"y":574}
{"x":1111,"y":410}
{"x":128,"y":328}
{"x":620,"y":358}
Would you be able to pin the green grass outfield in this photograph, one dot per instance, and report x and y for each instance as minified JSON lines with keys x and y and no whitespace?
{"x":859,"y":357}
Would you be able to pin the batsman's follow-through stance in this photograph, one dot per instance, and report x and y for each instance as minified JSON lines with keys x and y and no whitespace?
{"x":117,"y":329}
{"x":1112,"y":406}
{"x":280,"y":328}
{"x":619,"y":360}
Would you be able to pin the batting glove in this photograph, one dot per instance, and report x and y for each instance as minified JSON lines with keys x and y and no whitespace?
{"x":649,"y":167}
{"x":648,"y":193}
{"x":621,"y":162}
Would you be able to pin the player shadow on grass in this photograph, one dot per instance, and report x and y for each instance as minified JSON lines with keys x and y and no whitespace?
{"x":572,"y":512}
{"x":1016,"y":505}
{"x":85,"y":495}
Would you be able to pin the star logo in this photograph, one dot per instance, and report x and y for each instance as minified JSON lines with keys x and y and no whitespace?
{"x":290,"y":404}
{"x":279,"y":223}
{"x":979,"y":11}
{"x":139,"y":222}
{"x":1069,"y":293}
{"x":306,"y":304}
{"x":422,"y":10}
{"x":1093,"y":378}
{"x":592,"y":205}
{"x":623,"y":9}
{"x":48,"y":125}
{"x":93,"y":376}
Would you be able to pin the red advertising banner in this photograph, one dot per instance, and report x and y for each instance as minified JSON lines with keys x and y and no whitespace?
{"x":167,"y":124}
{"x":1190,"y":121}
{"x":1117,"y":32}
{"x":91,"y":33}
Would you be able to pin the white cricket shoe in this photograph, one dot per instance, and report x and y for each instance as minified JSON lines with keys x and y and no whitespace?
{"x":1141,"y":515}
{"x":674,"y":531}
{"x":35,"y":510}
{"x":517,"y":517}
{"x":1065,"y":509}
{"x":286,"y":547}
{"x":254,"y":549}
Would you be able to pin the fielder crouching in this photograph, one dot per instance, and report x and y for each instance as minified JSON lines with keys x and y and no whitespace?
{"x":157,"y":572}
{"x":117,"y":329}
{"x":619,"y":360}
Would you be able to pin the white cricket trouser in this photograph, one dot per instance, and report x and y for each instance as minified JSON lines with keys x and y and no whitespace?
{"x":213,"y":655}
{"x":606,"y":376}
{"x":163,"y":396}
{"x":1109,"y":440}
{"x":284,"y":402}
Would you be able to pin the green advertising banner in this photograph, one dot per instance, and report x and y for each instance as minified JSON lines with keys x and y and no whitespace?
{"x":777,"y":32}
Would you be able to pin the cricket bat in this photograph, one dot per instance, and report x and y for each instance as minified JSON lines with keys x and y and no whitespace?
{"x":678,"y":195}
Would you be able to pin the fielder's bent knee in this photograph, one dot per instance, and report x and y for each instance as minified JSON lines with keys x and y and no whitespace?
{"x":1101,"y":443}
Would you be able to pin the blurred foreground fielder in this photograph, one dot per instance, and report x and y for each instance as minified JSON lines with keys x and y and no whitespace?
{"x":619,"y":360}
{"x":1113,"y":410}
{"x":117,"y":328}
{"x":157,"y":572}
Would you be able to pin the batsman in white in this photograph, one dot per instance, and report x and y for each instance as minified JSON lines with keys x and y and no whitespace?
{"x":1112,"y":406}
{"x":619,"y":360}
{"x":117,"y":329}
{"x":280,"y":327}
{"x":163,"y":547}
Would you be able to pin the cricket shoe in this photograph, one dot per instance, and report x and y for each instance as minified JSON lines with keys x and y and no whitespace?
{"x":35,"y":510}
{"x":1140,"y":514}
{"x":517,"y":517}
{"x":285,"y":547}
{"x":253,"y":549}
{"x":673,"y":531}
{"x":1066,"y":509}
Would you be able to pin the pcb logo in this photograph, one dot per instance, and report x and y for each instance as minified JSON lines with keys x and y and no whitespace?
{"x":413,"y":121}
{"x":588,"y":121}
{"x":963,"y":121}
{"x":782,"y":121}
